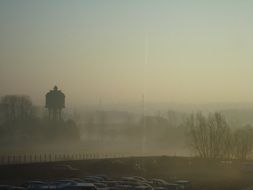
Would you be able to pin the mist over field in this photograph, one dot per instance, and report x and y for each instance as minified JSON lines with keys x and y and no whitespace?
{"x":160,"y":90}
{"x":140,"y":129}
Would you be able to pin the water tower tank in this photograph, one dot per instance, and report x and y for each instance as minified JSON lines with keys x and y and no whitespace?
{"x":55,"y":102}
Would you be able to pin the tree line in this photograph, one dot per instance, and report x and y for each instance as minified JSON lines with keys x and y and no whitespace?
{"x":211,"y":137}
{"x":20,"y":121}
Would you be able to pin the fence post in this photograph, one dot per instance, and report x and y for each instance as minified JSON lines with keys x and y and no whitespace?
{"x":19,"y":159}
{"x":8,"y":160}
{"x":2,"y":159}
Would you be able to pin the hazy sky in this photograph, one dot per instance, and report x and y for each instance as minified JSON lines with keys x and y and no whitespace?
{"x":170,"y":50}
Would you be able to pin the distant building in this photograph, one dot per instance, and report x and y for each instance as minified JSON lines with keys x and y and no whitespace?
{"x":55,"y":102}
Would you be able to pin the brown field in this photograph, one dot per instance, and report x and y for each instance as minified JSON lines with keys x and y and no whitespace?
{"x":204,"y":175}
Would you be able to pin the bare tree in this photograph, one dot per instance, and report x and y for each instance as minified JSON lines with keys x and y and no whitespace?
{"x":16,"y":107}
{"x":209,"y":136}
{"x":243,"y":142}
{"x":219,"y":136}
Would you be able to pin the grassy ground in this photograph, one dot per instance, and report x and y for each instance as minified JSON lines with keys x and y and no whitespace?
{"x":205,"y":175}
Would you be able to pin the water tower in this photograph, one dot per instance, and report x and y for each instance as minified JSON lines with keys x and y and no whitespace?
{"x":55,"y":102}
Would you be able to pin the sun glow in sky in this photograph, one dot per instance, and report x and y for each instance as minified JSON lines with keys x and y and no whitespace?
{"x":172,"y":51}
